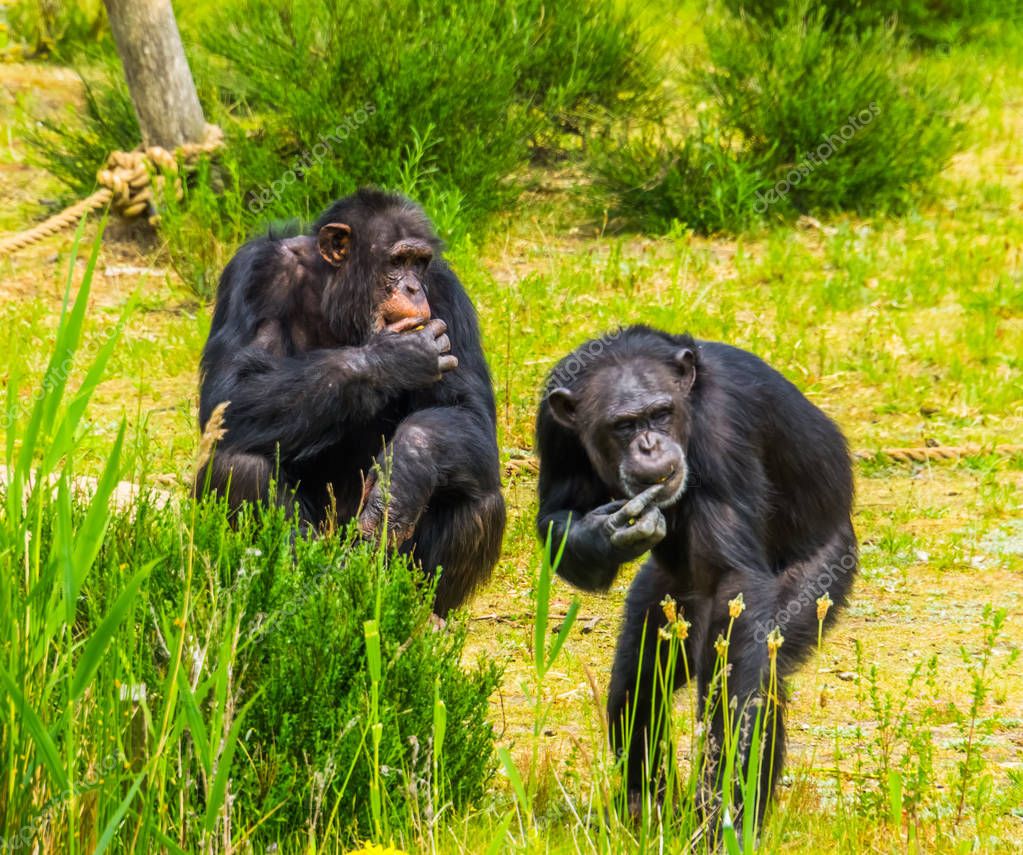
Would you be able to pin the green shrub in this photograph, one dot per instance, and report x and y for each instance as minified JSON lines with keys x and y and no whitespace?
{"x":845,"y":122}
{"x":814,"y":120}
{"x":703,"y":183}
{"x":925,"y":22}
{"x":62,"y":28}
{"x":583,"y":62}
{"x":297,"y":610}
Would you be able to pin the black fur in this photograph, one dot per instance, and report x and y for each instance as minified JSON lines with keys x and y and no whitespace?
{"x":765,"y":511}
{"x":315,"y":392}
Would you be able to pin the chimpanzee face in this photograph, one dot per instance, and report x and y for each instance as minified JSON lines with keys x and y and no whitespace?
{"x":633,"y":421}
{"x":402,"y":283}
{"x":397,"y":263}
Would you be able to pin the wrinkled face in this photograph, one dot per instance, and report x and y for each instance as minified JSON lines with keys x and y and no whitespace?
{"x":398,"y":263}
{"x":632,"y":420}
{"x":402,"y":283}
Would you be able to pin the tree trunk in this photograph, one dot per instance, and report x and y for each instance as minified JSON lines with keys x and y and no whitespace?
{"x":157,"y":72}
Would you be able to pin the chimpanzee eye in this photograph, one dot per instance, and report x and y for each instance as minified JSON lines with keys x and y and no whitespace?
{"x":661,"y":416}
{"x":624,"y":426}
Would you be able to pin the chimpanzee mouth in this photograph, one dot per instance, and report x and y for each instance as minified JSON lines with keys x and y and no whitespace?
{"x":673,"y":485}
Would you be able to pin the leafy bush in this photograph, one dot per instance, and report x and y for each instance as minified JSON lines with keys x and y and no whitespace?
{"x":62,"y":28}
{"x":926,"y":22}
{"x":841,"y":109}
{"x":817,"y":120}
{"x":273,"y":647}
{"x":582,"y":62}
{"x":703,"y":183}
{"x":287,"y":616}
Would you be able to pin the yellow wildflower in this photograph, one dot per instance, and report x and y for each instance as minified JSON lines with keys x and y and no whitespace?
{"x":670,"y":608}
{"x":823,"y":604}
{"x":721,"y":646}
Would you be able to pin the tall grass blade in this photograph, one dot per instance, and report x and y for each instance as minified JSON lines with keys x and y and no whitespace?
{"x":115,"y":820}
{"x":96,"y":646}
{"x":64,"y":435}
{"x":499,"y":843}
{"x":563,"y":631}
{"x":218,"y":791}
{"x":90,"y":535}
{"x":515,"y":779}
{"x":31,"y":721}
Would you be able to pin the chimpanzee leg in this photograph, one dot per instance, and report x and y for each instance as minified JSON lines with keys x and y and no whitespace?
{"x":637,"y":704}
{"x":243,"y":477}
{"x":749,"y":697}
{"x":462,"y":536}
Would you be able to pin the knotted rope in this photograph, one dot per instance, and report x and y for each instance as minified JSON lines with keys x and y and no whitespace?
{"x":129,"y":182}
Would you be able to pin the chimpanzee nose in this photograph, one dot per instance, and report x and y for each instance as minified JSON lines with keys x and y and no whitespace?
{"x":648,"y":443}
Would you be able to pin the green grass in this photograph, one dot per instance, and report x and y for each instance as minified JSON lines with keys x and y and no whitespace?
{"x":907,"y":329}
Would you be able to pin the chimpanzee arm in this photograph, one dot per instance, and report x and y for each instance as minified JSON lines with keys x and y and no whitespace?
{"x":601,"y":535}
{"x":302,"y":403}
{"x":447,"y":444}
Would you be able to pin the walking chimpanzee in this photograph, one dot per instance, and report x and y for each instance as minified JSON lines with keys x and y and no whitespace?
{"x":704,"y":455}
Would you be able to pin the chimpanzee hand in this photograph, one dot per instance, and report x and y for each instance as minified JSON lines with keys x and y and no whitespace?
{"x":609,"y":536}
{"x":414,"y":353}
{"x":630,"y":527}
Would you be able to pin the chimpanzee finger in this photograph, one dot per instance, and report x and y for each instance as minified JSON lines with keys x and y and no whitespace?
{"x":608,"y":509}
{"x":443,"y":344}
{"x":644,"y":531}
{"x":635,"y":506}
{"x":447,"y":363}
{"x":649,"y":527}
{"x":405,"y":324}
{"x":437,"y":327}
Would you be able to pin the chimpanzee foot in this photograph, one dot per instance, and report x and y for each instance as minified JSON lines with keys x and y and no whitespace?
{"x":397,"y":534}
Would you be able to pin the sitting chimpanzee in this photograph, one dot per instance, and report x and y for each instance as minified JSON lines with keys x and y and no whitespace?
{"x":707,"y":457}
{"x":324,"y":349}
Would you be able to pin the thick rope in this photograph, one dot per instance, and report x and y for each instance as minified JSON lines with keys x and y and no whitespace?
{"x":130,"y":182}
{"x":939,"y":452}
{"x":524,"y":462}
{"x":66,"y":218}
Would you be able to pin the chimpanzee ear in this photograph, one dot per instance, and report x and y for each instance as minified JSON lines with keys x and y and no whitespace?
{"x":562,"y":403}
{"x":333,"y":243}
{"x":685,"y":361}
